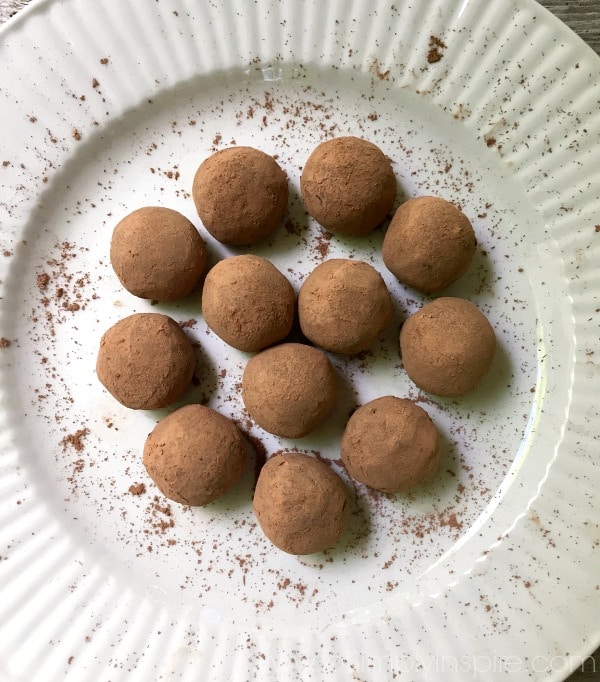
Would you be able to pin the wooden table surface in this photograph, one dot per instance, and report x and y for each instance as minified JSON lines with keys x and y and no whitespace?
{"x":583,"y":16}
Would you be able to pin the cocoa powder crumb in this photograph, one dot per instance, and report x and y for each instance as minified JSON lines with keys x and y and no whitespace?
{"x":76,"y":134}
{"x":435,"y":53}
{"x":188,"y":323}
{"x":451,"y":521}
{"x":491,"y":141}
{"x":104,"y":60}
{"x":42,"y":280}
{"x":4,"y":343}
{"x":95,"y":82}
{"x":5,"y":163}
{"x":323,"y":244}
{"x":137,"y":489}
{"x":75,"y":440}
{"x":78,"y":466}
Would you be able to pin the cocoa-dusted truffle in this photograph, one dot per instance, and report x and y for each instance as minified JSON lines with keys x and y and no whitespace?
{"x":289,"y":389}
{"x":240,"y":194}
{"x":158,"y":254}
{"x":348,"y":185}
{"x":301,"y":505}
{"x":248,"y":303}
{"x":390,"y":444}
{"x":194,"y":455}
{"x":447,"y":347}
{"x":429,"y":244}
{"x":344,"y":306}
{"x":145,"y":361}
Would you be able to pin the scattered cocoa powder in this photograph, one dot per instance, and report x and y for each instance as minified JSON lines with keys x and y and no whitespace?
{"x":75,"y":440}
{"x":323,"y":242}
{"x":188,"y":324}
{"x":436,"y":46}
{"x":42,"y":280}
{"x":159,"y":519}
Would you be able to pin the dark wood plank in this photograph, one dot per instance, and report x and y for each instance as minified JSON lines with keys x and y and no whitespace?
{"x":583,"y":16}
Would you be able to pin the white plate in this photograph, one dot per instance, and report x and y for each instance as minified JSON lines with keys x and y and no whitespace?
{"x":490,"y":569}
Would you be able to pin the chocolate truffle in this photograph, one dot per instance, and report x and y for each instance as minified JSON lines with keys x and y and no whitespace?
{"x":248,"y":303}
{"x":344,"y":306}
{"x":195,"y":455}
{"x":240,"y":194}
{"x":390,"y":444}
{"x":289,"y":389}
{"x":301,"y":505}
{"x":447,"y":347}
{"x":145,"y":361}
{"x":429,"y":244}
{"x":348,"y":185}
{"x":157,"y":253}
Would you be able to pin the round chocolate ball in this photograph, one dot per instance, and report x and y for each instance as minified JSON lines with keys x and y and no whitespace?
{"x":195,"y":455}
{"x":289,"y":389}
{"x":301,"y":505}
{"x":429,"y":244}
{"x":248,"y":303}
{"x":158,"y":254}
{"x":145,"y":361}
{"x":344,"y":306}
{"x":240,"y":194}
{"x":390,"y":444}
{"x":447,"y":347}
{"x":348,"y":185}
